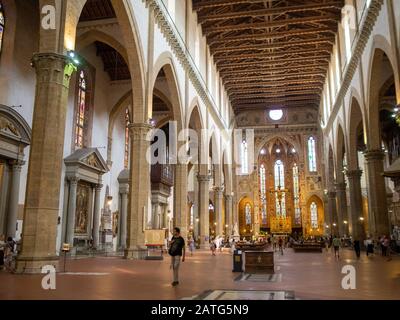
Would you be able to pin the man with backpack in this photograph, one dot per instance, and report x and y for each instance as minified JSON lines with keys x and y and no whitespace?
{"x":176,"y":251}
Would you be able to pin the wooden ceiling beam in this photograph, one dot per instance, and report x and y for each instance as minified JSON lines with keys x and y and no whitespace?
{"x":281,"y":87}
{"x":280,"y":77}
{"x":267,"y":46}
{"x":271,"y":35}
{"x":202,"y":18}
{"x":200,"y":5}
{"x":284,"y":54}
{"x":263,"y":70}
{"x":277,"y":95}
{"x":267,"y":63}
{"x":269,"y":84}
{"x":207,"y":30}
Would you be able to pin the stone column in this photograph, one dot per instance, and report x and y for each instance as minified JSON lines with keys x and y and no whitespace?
{"x":196,"y":215}
{"x":139,"y":189}
{"x":96,"y":216}
{"x":124,"y":190}
{"x":219,"y":196}
{"x":14,"y":197}
{"x":204,"y":214}
{"x":332,"y":212}
{"x":355,"y":224}
{"x":377,"y":205}
{"x":73,"y":186}
{"x":181,"y":198}
{"x":341,"y":208}
{"x":45,"y":163}
{"x":229,"y":213}
{"x":156,"y":219}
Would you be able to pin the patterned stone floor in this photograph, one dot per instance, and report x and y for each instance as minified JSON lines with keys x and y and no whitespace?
{"x":307,"y":275}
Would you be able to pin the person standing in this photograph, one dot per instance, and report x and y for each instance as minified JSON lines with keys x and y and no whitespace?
{"x":213,"y":246}
{"x":191,"y":246}
{"x":357,"y":248}
{"x":2,"y":249}
{"x":280,"y":243}
{"x":336,"y":245}
{"x":176,"y":251}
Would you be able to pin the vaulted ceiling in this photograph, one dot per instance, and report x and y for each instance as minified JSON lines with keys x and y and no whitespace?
{"x":271,"y":53}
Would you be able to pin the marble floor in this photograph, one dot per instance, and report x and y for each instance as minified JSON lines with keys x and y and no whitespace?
{"x":306,"y":275}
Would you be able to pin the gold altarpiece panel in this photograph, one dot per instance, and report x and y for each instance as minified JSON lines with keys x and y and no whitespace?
{"x":82,"y":209}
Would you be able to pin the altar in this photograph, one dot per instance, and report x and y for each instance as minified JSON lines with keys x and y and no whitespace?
{"x":281,"y":225}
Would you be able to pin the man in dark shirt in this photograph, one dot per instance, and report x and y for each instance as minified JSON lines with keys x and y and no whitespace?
{"x":176,"y":251}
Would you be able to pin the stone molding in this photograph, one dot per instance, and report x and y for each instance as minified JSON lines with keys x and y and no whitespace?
{"x":181,"y":52}
{"x":361,"y":43}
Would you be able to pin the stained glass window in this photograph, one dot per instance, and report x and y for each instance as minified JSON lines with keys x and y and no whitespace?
{"x":2,"y":24}
{"x":81,"y":112}
{"x":263,"y":195}
{"x":127,"y":122}
{"x":244,"y":158}
{"x":314,"y":215}
{"x":312,"y":156}
{"x":296,"y":192}
{"x":280,"y":196}
{"x":248,"y":214}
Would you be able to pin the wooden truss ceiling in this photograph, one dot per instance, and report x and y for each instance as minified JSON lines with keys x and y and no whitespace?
{"x":114,"y":63}
{"x":97,"y":10}
{"x":271,"y":53}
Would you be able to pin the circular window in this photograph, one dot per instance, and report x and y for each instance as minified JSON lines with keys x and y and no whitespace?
{"x":276,"y":115}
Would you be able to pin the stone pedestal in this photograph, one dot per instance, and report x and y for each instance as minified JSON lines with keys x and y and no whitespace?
{"x":356,"y":210}
{"x":45,"y":163}
{"x":139,"y":189}
{"x":377,"y":198}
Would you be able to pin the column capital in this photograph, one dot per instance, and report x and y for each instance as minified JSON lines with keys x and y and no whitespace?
{"x":332,"y":194}
{"x":98,"y":187}
{"x":139,"y":131}
{"x":374,"y":155}
{"x":354,"y":174}
{"x":124,"y":188}
{"x":17,"y":164}
{"x":340,"y":186}
{"x":219,"y":190}
{"x":73,"y":180}
{"x":203,"y":178}
{"x":228,"y":197}
{"x":52,"y":68}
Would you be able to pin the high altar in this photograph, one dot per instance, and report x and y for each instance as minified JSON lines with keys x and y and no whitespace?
{"x":281,"y":224}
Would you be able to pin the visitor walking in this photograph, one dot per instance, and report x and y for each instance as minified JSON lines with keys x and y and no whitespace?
{"x":9,"y":253}
{"x":191,"y":246}
{"x":357,"y":248}
{"x":327,"y":244}
{"x":386,"y":247}
{"x":213,"y":247}
{"x":336,"y":245}
{"x":280,"y":244}
{"x":176,"y":251}
{"x":2,"y":248}
{"x":370,"y":246}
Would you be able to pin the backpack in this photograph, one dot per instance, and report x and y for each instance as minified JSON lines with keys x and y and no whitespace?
{"x":174,"y":248}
